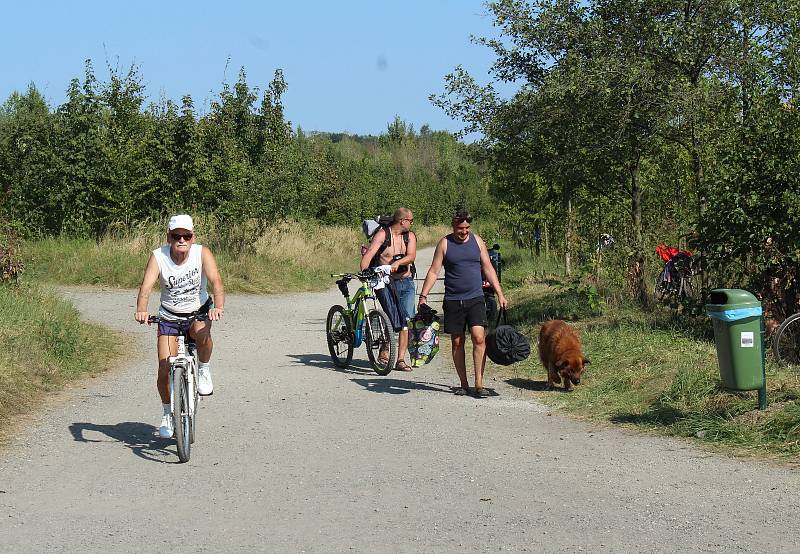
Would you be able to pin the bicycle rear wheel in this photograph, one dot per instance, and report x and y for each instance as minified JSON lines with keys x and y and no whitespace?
{"x":786,"y":344}
{"x":339,"y":332}
{"x":381,"y":342}
{"x":180,"y":414}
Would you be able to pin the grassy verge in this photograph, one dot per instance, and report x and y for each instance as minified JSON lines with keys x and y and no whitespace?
{"x":287,"y":257}
{"x":43,"y":345}
{"x":655,"y":371}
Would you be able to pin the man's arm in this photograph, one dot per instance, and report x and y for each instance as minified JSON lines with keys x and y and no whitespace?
{"x":411,"y":253}
{"x":213,"y":277}
{"x":433,"y":272}
{"x":151,"y":272}
{"x":374,"y":245}
{"x":490,"y":274}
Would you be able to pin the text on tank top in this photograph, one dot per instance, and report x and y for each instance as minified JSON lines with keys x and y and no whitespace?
{"x":462,"y":267}
{"x":183,"y":287}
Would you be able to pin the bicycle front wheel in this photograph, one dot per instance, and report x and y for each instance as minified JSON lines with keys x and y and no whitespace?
{"x":180,"y":414}
{"x":339,"y":332}
{"x":381,"y":342}
{"x":786,"y":344}
{"x":192,"y":416}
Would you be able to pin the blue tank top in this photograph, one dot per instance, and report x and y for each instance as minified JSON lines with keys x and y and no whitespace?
{"x":462,"y":269}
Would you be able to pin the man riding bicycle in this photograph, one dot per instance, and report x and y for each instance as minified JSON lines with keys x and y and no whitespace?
{"x":184,"y":269}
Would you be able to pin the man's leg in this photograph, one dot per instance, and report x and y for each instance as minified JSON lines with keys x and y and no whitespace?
{"x":478,"y":333}
{"x":201,"y":333}
{"x":402,"y":344}
{"x":404,"y":289}
{"x":459,"y":359}
{"x":166,"y":346}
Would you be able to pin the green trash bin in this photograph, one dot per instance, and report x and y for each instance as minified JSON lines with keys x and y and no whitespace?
{"x":737,"y":317}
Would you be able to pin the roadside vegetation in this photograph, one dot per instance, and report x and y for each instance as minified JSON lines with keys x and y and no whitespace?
{"x":287,"y":257}
{"x":43,"y":346}
{"x":653,"y":370}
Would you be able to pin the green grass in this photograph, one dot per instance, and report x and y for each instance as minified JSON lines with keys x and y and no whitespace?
{"x":655,"y":371}
{"x":43,"y":345}
{"x":288,"y":257}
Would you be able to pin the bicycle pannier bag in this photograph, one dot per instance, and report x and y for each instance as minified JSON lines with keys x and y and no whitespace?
{"x":505,"y":345}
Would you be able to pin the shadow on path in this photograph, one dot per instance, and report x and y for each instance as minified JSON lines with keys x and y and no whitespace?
{"x":400,"y":386}
{"x":359,"y":367}
{"x":528,"y":384}
{"x":141,"y":438}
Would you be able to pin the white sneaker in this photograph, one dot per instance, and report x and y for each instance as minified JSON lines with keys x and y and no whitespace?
{"x":166,"y":431}
{"x":204,"y":384}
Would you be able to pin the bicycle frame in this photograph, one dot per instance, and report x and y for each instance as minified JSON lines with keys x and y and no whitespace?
{"x":356,"y":309}
{"x":187,"y":360}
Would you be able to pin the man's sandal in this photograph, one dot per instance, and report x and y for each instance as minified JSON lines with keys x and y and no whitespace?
{"x":402,"y":366}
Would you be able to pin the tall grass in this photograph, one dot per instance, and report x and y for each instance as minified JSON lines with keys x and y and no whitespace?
{"x":43,"y":344}
{"x":288,"y":256}
{"x":656,"y":371}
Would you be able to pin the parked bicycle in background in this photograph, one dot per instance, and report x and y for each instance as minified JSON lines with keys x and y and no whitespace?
{"x":673,"y":284}
{"x":786,"y":340}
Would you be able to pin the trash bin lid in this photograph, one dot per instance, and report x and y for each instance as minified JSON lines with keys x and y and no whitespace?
{"x":721,"y":300}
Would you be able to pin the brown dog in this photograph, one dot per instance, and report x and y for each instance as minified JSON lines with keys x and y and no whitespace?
{"x":560,"y":352}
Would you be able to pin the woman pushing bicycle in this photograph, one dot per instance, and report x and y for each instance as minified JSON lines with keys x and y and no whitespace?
{"x":184,"y":269}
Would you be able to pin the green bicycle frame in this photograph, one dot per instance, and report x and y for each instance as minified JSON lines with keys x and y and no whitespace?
{"x":356,"y":311}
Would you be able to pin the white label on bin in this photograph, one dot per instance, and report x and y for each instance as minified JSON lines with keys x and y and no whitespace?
{"x":747,"y":339}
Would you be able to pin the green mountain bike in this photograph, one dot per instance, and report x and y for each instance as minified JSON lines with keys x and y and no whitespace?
{"x":347,"y":328}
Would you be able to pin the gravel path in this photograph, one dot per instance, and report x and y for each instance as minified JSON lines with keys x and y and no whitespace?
{"x":293,"y":455}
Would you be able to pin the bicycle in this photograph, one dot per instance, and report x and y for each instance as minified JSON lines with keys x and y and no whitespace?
{"x":346,"y":328}
{"x":786,"y":343}
{"x":183,"y":396}
{"x":674,"y":283}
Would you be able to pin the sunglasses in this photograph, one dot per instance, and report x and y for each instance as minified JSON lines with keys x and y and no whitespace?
{"x":409,"y":219}
{"x":460,"y":220}
{"x":178,"y":236}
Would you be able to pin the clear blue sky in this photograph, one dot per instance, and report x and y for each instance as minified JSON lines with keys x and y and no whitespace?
{"x":350,"y":65}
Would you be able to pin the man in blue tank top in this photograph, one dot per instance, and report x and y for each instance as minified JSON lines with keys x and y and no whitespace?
{"x":466,"y":260}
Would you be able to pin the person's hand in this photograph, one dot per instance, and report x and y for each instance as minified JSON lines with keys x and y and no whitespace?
{"x":141,"y":317}
{"x":502,"y":301}
{"x":215,"y":314}
{"x":423,"y":299}
{"x":395,"y":267}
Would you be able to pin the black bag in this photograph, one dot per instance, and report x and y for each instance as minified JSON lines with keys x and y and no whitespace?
{"x":505,"y":345}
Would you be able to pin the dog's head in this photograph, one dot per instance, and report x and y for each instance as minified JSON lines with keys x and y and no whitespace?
{"x":571,"y":366}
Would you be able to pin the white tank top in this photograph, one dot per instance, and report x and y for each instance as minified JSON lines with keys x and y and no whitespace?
{"x":183,"y":287}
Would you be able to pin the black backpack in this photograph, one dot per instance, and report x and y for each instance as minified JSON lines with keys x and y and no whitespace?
{"x":371,"y":226}
{"x":505,"y":345}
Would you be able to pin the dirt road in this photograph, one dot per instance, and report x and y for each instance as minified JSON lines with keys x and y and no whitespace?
{"x":293,"y":455}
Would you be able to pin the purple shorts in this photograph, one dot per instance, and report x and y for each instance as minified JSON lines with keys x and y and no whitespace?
{"x":173,"y":328}
{"x":168,"y":328}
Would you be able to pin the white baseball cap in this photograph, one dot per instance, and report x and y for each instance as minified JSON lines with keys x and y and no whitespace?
{"x":181,"y":221}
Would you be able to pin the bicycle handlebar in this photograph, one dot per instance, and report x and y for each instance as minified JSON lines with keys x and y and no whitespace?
{"x":186,"y":320}
{"x":368,"y":273}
